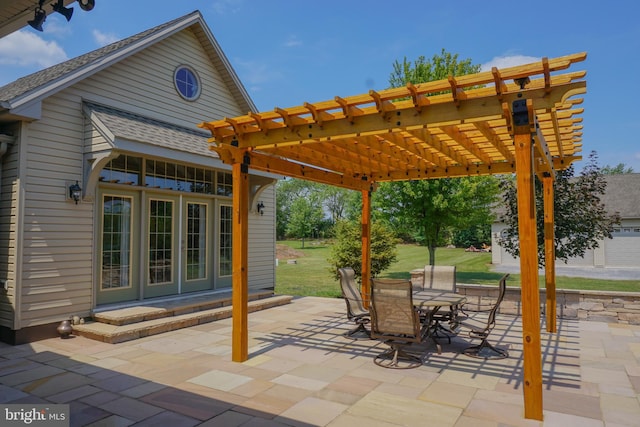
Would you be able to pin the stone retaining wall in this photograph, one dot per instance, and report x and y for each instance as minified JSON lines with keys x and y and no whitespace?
{"x":611,"y":307}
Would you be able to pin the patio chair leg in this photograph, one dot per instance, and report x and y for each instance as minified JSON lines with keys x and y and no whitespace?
{"x":391,"y":359}
{"x":360,"y":332}
{"x":484,"y":350}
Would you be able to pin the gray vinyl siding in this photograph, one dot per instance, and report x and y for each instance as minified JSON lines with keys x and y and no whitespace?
{"x":148,"y":76}
{"x":262,"y":255}
{"x":57,"y":234}
{"x":8,"y":218}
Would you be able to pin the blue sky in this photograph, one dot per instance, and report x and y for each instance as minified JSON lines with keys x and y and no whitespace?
{"x":288,"y":52}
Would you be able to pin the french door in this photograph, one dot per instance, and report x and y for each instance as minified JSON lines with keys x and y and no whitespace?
{"x":161,"y":246}
{"x":119,"y":232}
{"x":196,"y":255}
{"x":154,"y":245}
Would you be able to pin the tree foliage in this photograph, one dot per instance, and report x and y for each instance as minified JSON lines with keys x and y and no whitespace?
{"x":620,"y":168}
{"x":330,"y":204}
{"x":429,"y":207}
{"x":305,"y":218}
{"x":426,"y":209}
{"x":580,"y":217}
{"x":347,"y":250}
{"x":424,"y":70}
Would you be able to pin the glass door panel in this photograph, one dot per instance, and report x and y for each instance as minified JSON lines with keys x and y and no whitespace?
{"x":116,"y":282}
{"x":161,"y":248}
{"x":196,"y":255}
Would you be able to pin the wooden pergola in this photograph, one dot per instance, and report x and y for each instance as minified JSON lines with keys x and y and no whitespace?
{"x":523,"y":120}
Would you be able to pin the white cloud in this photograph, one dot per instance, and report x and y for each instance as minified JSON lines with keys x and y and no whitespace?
{"x":293,"y":41}
{"x":509,"y":61}
{"x":255,"y":73}
{"x":24,"y":49}
{"x":223,"y":7}
{"x":103,"y":39}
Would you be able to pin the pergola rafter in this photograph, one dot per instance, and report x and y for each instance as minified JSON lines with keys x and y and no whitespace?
{"x":520,"y":120}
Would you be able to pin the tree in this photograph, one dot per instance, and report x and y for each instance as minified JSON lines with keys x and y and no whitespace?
{"x":339,"y":202}
{"x":347,"y":250}
{"x":423,"y":70}
{"x":428,"y":208}
{"x":580,"y":218}
{"x":306,"y":216}
{"x":618,"y":169}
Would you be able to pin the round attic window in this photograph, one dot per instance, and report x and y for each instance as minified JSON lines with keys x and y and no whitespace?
{"x":187,"y":83}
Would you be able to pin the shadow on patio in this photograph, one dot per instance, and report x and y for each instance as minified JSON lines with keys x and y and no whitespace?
{"x":303,"y":372}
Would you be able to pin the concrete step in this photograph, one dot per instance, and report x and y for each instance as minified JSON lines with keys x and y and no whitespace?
{"x":114,"y":333}
{"x":168,"y":308}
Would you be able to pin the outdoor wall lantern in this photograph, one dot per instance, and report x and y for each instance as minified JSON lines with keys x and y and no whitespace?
{"x":75,"y":192}
{"x":39,"y":17}
{"x":260,"y":208}
{"x":67,"y":12}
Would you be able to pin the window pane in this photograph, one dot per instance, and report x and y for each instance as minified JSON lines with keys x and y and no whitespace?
{"x":116,"y":242}
{"x":160,"y":241}
{"x":196,"y":241}
{"x":225,"y":241}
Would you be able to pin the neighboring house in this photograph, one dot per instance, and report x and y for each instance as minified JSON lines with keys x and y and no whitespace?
{"x":623,"y":251}
{"x":154,"y":212}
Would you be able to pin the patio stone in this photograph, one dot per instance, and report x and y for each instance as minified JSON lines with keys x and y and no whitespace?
{"x":131,"y":408}
{"x":9,"y":394}
{"x":300,"y":382}
{"x":112,"y":421}
{"x":168,"y":419}
{"x":74,"y":394}
{"x":312,"y":411}
{"x":220,"y":380}
{"x":306,"y":373}
{"x":186,"y":403}
{"x":448,"y":394}
{"x":30,"y":375}
{"x":389,"y":408}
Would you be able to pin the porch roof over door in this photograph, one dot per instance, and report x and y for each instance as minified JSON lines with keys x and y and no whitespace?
{"x":460,"y":126}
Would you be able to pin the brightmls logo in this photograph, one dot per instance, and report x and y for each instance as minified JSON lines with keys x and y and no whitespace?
{"x":35,"y":415}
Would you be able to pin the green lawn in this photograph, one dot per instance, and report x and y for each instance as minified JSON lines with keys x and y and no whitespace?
{"x":312,"y":275}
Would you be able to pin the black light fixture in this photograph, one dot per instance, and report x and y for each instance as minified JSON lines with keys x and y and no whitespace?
{"x":66,"y":11}
{"x":39,"y":17}
{"x":75,"y":192}
{"x":260,"y":208}
{"x":86,"y":5}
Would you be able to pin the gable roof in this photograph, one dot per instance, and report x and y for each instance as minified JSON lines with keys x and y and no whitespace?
{"x":31,"y":89}
{"x":623,"y":195}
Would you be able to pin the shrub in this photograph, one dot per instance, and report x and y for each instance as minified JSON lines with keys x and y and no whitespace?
{"x":347,"y":250}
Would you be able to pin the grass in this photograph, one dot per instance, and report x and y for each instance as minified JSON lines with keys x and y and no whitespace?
{"x":312,"y":275}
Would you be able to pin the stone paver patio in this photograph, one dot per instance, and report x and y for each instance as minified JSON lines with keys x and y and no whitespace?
{"x":303,"y":372}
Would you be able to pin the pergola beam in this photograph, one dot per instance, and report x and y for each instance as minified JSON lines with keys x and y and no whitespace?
{"x":405,"y":116}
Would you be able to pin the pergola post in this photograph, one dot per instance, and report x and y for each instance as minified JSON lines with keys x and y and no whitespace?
{"x":549,"y":253}
{"x":240,"y":238}
{"x":365,"y":290}
{"x":532,"y":372}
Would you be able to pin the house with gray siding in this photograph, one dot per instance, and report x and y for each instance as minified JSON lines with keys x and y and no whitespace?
{"x":108,"y":191}
{"x":621,"y":252}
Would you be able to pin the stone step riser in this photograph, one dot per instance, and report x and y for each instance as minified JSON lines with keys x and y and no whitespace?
{"x":118,"y":334}
{"x":118,"y":319}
